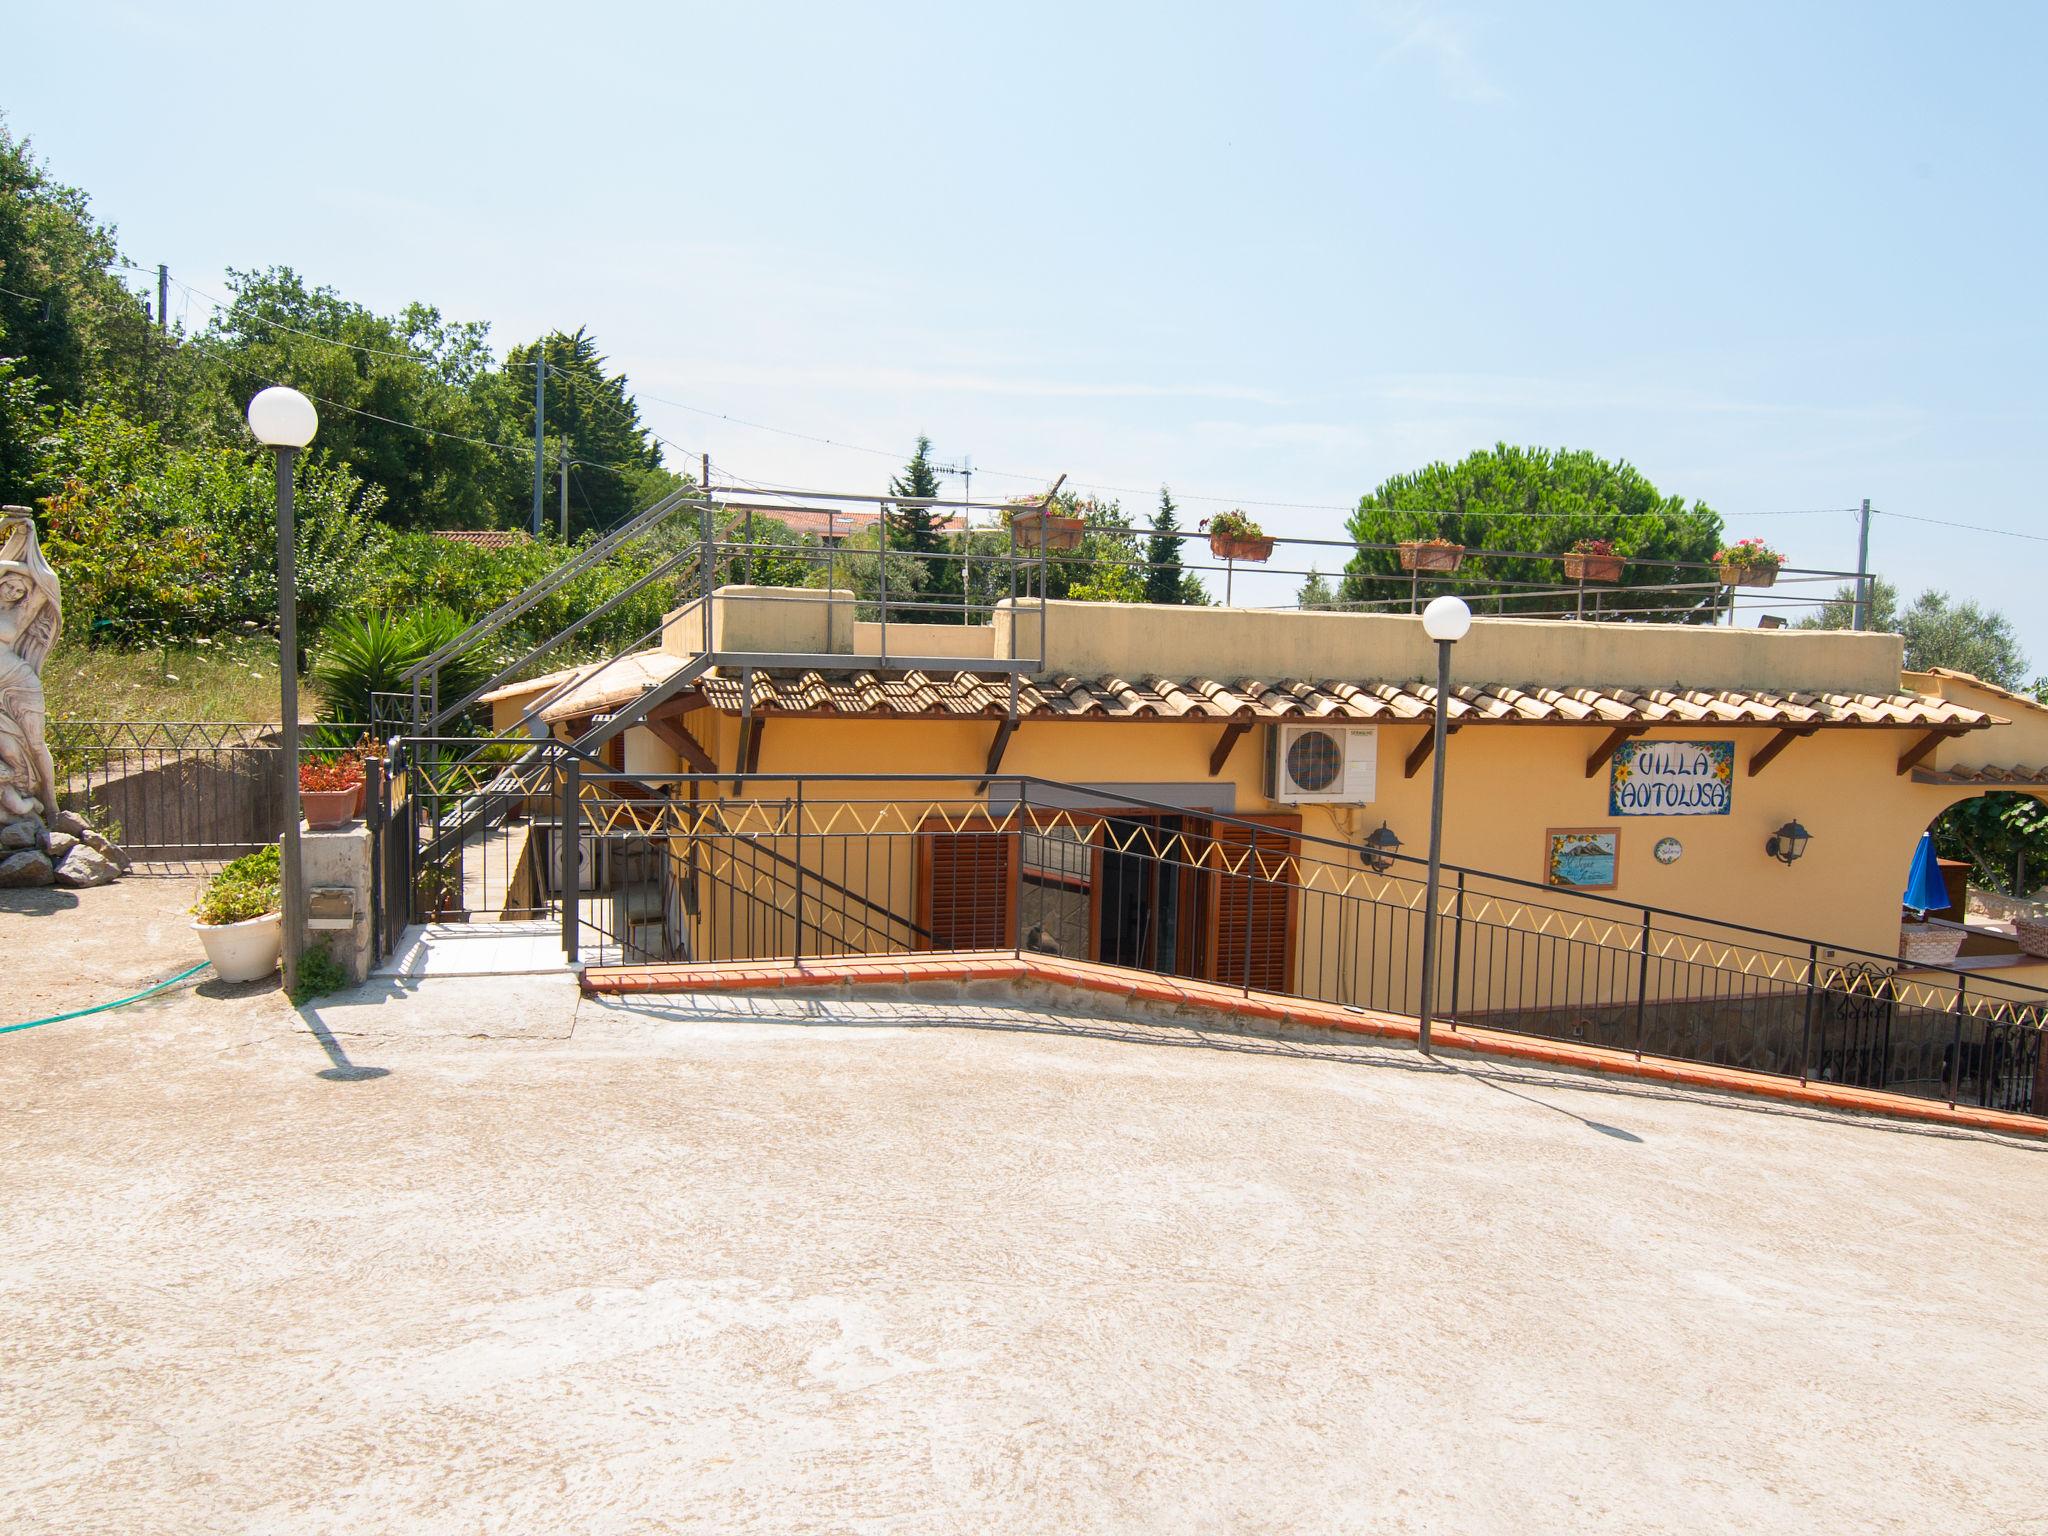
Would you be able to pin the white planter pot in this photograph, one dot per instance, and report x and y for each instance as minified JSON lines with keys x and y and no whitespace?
{"x":245,"y":951}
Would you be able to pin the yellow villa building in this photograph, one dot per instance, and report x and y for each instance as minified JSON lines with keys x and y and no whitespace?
{"x":1654,"y":764}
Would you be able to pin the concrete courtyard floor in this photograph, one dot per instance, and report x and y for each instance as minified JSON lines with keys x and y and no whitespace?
{"x":476,"y":1255}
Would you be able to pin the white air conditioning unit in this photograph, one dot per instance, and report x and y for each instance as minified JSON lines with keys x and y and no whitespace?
{"x":1323,"y":764}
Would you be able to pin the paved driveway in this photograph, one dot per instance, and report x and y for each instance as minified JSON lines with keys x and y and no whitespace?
{"x":486,"y":1258}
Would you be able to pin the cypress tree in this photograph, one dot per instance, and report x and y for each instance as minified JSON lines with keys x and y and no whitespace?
{"x":1163,"y":576}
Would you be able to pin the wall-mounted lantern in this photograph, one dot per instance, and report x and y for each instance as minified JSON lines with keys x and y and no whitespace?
{"x":1379,"y":849}
{"x":1788,"y":844}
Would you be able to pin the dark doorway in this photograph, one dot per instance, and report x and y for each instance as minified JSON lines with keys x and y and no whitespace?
{"x":1150,"y":895}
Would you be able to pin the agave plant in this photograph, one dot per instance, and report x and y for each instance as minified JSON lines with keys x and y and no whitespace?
{"x":363,"y":654}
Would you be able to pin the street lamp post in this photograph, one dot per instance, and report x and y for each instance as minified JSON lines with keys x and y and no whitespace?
{"x":1445,"y":621}
{"x":284,"y":420}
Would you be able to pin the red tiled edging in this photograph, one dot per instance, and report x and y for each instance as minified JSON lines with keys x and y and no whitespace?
{"x":1173,"y":991}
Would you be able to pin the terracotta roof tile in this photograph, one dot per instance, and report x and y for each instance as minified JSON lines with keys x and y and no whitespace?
{"x":2016,"y":774}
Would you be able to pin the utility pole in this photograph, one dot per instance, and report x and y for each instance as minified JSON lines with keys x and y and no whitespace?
{"x":163,"y":296}
{"x":565,"y":497}
{"x":1861,"y":607}
{"x":540,"y":422}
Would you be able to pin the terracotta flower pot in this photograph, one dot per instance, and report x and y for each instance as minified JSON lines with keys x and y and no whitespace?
{"x":1733,"y":575}
{"x":1418,"y":556}
{"x":327,"y":809}
{"x":1057,"y":533}
{"x":1229,"y":546}
{"x":1580,"y":566}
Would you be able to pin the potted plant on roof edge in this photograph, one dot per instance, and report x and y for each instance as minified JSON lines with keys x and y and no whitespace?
{"x":1430,"y":555}
{"x":1234,"y":536}
{"x":331,"y":790}
{"x":1038,"y":527}
{"x":1592,"y":560}
{"x":1749,"y":563}
{"x":238,"y":923}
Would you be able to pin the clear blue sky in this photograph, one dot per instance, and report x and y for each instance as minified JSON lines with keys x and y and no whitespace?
{"x":1780,"y":257}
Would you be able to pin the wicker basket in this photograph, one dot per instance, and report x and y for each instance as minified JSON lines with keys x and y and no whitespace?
{"x":1929,"y":943}
{"x":2032,"y":932}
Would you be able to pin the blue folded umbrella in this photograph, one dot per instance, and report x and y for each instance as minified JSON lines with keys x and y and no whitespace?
{"x":1926,"y":891}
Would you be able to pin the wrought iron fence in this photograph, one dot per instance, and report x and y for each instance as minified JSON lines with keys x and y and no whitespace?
{"x":699,"y":867}
{"x":177,"y":793}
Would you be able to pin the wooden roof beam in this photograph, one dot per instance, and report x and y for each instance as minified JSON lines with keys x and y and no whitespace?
{"x":1920,"y":749}
{"x":1604,"y":753}
{"x":1419,"y":754}
{"x":674,"y":735}
{"x":1767,"y":754}
{"x":1227,"y":744}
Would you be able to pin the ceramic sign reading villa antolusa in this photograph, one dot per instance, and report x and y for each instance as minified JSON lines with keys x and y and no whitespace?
{"x":1672,"y":778}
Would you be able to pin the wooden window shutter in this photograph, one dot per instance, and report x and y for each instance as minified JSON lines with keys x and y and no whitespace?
{"x":1251,"y":920}
{"x":967,"y":882}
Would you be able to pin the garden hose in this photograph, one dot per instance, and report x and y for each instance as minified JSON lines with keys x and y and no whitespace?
{"x":79,"y":1013}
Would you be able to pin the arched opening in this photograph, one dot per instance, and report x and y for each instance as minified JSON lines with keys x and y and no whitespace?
{"x":2001,"y":838}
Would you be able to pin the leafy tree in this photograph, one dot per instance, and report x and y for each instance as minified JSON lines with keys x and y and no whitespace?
{"x":1316,"y":592}
{"x":1540,"y":502}
{"x":1165,"y":580}
{"x":2003,"y":835}
{"x":615,"y":465}
{"x":1939,"y":632}
{"x":65,"y":316}
{"x":155,"y":540}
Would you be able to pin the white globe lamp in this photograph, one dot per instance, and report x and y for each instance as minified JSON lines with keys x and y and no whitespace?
{"x":1446,"y":618}
{"x":282,"y":418}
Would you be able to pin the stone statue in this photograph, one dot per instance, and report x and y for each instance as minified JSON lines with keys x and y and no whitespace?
{"x":30,"y":609}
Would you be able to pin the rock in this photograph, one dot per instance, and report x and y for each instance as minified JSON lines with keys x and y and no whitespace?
{"x":114,"y":851}
{"x":29,"y":867}
{"x":57,"y":844}
{"x":84,"y":866}
{"x":25,"y":833}
{"x":72,"y":822}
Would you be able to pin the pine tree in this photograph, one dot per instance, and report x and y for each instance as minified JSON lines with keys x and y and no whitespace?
{"x":914,"y":529}
{"x":911,"y":527}
{"x":1316,"y":592}
{"x":1164,"y":580}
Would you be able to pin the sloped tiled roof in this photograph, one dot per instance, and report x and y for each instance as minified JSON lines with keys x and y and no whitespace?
{"x":2016,"y":775}
{"x":936,"y":695}
{"x":928,"y":694}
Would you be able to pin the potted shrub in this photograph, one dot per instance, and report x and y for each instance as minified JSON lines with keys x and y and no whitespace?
{"x":1234,"y":536}
{"x":440,"y":888}
{"x":237,"y":914}
{"x":1592,"y":560}
{"x":1038,"y":527}
{"x":331,"y":791}
{"x":1431,"y":555}
{"x":1750,"y":563}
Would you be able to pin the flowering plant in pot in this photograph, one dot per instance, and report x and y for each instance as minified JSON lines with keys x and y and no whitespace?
{"x":1748,"y":563}
{"x":237,"y":916}
{"x":1038,"y":527}
{"x":331,"y":790}
{"x":1234,"y":536}
{"x":1592,"y":560}
{"x":1431,"y":555}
